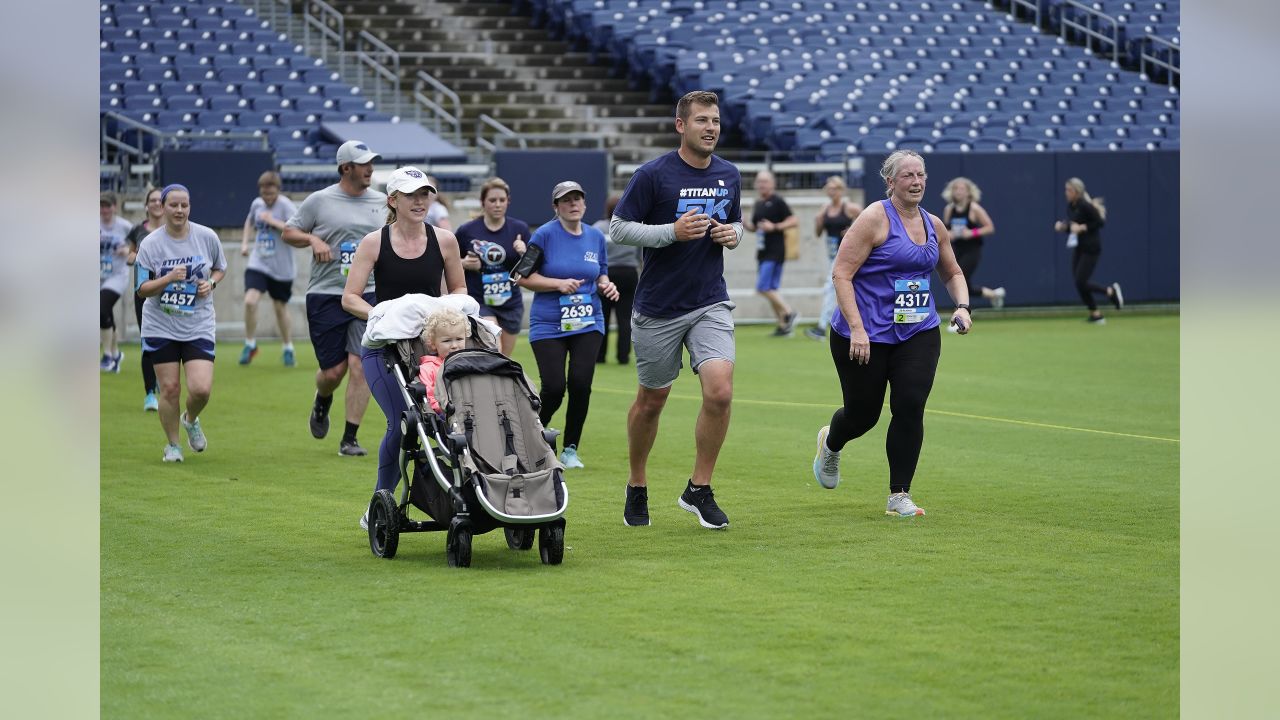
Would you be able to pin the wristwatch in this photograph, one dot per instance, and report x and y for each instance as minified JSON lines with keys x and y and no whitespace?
{"x":213,"y":284}
{"x":962,"y":306}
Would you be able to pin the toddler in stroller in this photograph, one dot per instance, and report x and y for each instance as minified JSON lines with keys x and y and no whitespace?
{"x":486,"y":461}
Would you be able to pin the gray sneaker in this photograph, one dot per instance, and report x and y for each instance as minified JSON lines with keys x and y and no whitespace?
{"x":826,"y":464}
{"x":195,"y":436}
{"x":364,"y":520}
{"x":172,"y":453}
{"x":351,"y":448}
{"x":997,"y":299}
{"x":900,"y":504}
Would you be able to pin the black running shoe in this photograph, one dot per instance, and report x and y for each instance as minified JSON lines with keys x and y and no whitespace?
{"x":701,"y":501}
{"x":636,"y":511}
{"x":789,"y":322}
{"x":319,"y":420}
{"x":351,"y":448}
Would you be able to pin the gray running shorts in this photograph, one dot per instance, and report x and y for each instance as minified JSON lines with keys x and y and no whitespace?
{"x":707,"y":333}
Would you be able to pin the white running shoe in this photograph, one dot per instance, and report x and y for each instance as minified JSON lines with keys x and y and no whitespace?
{"x":364,"y":520}
{"x":826,"y":464}
{"x":997,"y":300}
{"x":195,"y":436}
{"x":172,"y":453}
{"x":900,"y":504}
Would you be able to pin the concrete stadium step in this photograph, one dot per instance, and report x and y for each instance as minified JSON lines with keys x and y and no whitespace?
{"x":397,"y":36}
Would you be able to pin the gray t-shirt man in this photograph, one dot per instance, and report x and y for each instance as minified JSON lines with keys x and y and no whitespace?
{"x":342,"y":221}
{"x":270,"y":255}
{"x":177,"y":313}
{"x":113,"y":250}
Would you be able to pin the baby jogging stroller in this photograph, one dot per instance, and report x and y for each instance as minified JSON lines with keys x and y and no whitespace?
{"x":487,"y":464}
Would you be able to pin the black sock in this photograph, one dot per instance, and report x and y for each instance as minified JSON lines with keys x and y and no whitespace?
{"x":895,"y":489}
{"x":694,"y":488}
{"x":349,"y":435}
{"x":324,"y":401}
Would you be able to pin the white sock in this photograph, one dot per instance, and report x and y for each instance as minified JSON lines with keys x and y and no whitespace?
{"x":288,"y":346}
{"x":250,"y":343}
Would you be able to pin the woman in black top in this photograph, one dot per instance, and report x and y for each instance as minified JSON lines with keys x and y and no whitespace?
{"x":1086,"y":216}
{"x":406,"y":256}
{"x":969,"y":223}
{"x":153,"y":220}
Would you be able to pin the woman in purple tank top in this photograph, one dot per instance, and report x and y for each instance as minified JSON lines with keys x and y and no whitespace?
{"x":885,"y":334}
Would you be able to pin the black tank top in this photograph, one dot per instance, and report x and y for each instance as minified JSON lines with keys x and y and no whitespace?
{"x":396,"y":276}
{"x":835,"y":225}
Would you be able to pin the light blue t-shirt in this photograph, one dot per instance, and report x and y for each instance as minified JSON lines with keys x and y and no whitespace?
{"x":565,"y":255}
{"x":112,"y":254}
{"x":177,"y":313}
{"x":270,"y":255}
{"x":343,"y":221}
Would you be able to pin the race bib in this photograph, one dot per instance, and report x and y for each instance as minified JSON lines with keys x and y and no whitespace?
{"x":910,"y":300}
{"x":577,"y":312}
{"x":266,"y":242}
{"x":497,"y":288}
{"x":959,"y":226}
{"x":107,"y":264}
{"x":833,"y":246}
{"x":179,"y":298}
{"x":346,"y":253}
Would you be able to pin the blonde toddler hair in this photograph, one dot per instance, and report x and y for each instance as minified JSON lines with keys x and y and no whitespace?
{"x":441,"y":320}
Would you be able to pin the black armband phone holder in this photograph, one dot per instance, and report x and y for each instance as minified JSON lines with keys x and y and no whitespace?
{"x":529,"y":263}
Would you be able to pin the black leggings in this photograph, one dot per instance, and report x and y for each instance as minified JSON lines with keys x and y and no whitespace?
{"x":968,"y":253}
{"x":148,"y":367}
{"x":550,"y":353}
{"x":1082,"y":265}
{"x":907,"y":369}
{"x":626,"y":278}
{"x":106,"y":309}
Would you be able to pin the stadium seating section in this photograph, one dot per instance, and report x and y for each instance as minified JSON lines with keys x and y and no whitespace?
{"x":824,"y":78}
{"x":818,"y":78}
{"x":211,"y":72}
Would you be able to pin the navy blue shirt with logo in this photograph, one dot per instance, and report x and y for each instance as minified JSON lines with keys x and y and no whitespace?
{"x":683,"y":276}
{"x":491,"y":286}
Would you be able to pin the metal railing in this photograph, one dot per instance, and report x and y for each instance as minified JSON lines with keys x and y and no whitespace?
{"x":322,"y":23}
{"x":383,"y":62}
{"x":1151,"y":55}
{"x":432,"y":103}
{"x":277,"y":12}
{"x":503,"y":134}
{"x":1092,"y":17}
{"x":1031,"y":6}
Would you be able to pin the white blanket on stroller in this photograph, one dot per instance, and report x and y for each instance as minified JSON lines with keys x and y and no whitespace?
{"x":404,"y":317}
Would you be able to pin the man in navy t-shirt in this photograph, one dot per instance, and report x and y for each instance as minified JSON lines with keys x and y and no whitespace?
{"x":684,"y":209}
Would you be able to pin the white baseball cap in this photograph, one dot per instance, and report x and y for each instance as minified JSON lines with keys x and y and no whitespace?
{"x":565,"y":188}
{"x":408,"y":180}
{"x":355,"y":151}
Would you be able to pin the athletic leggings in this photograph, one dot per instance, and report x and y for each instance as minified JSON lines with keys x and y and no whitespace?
{"x":550,"y":353}
{"x":626,"y":278}
{"x":1082,"y":265}
{"x":389,"y":396}
{"x":106,"y":308}
{"x":148,"y":367}
{"x":968,"y":253}
{"x":907,"y":369}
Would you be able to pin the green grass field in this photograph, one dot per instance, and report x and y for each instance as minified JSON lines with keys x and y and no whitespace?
{"x":1042,"y":583}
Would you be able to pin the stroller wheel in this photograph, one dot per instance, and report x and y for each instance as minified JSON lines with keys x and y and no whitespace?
{"x":551,"y":544}
{"x":519,"y":538}
{"x":458,"y":546}
{"x":384,"y":524}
